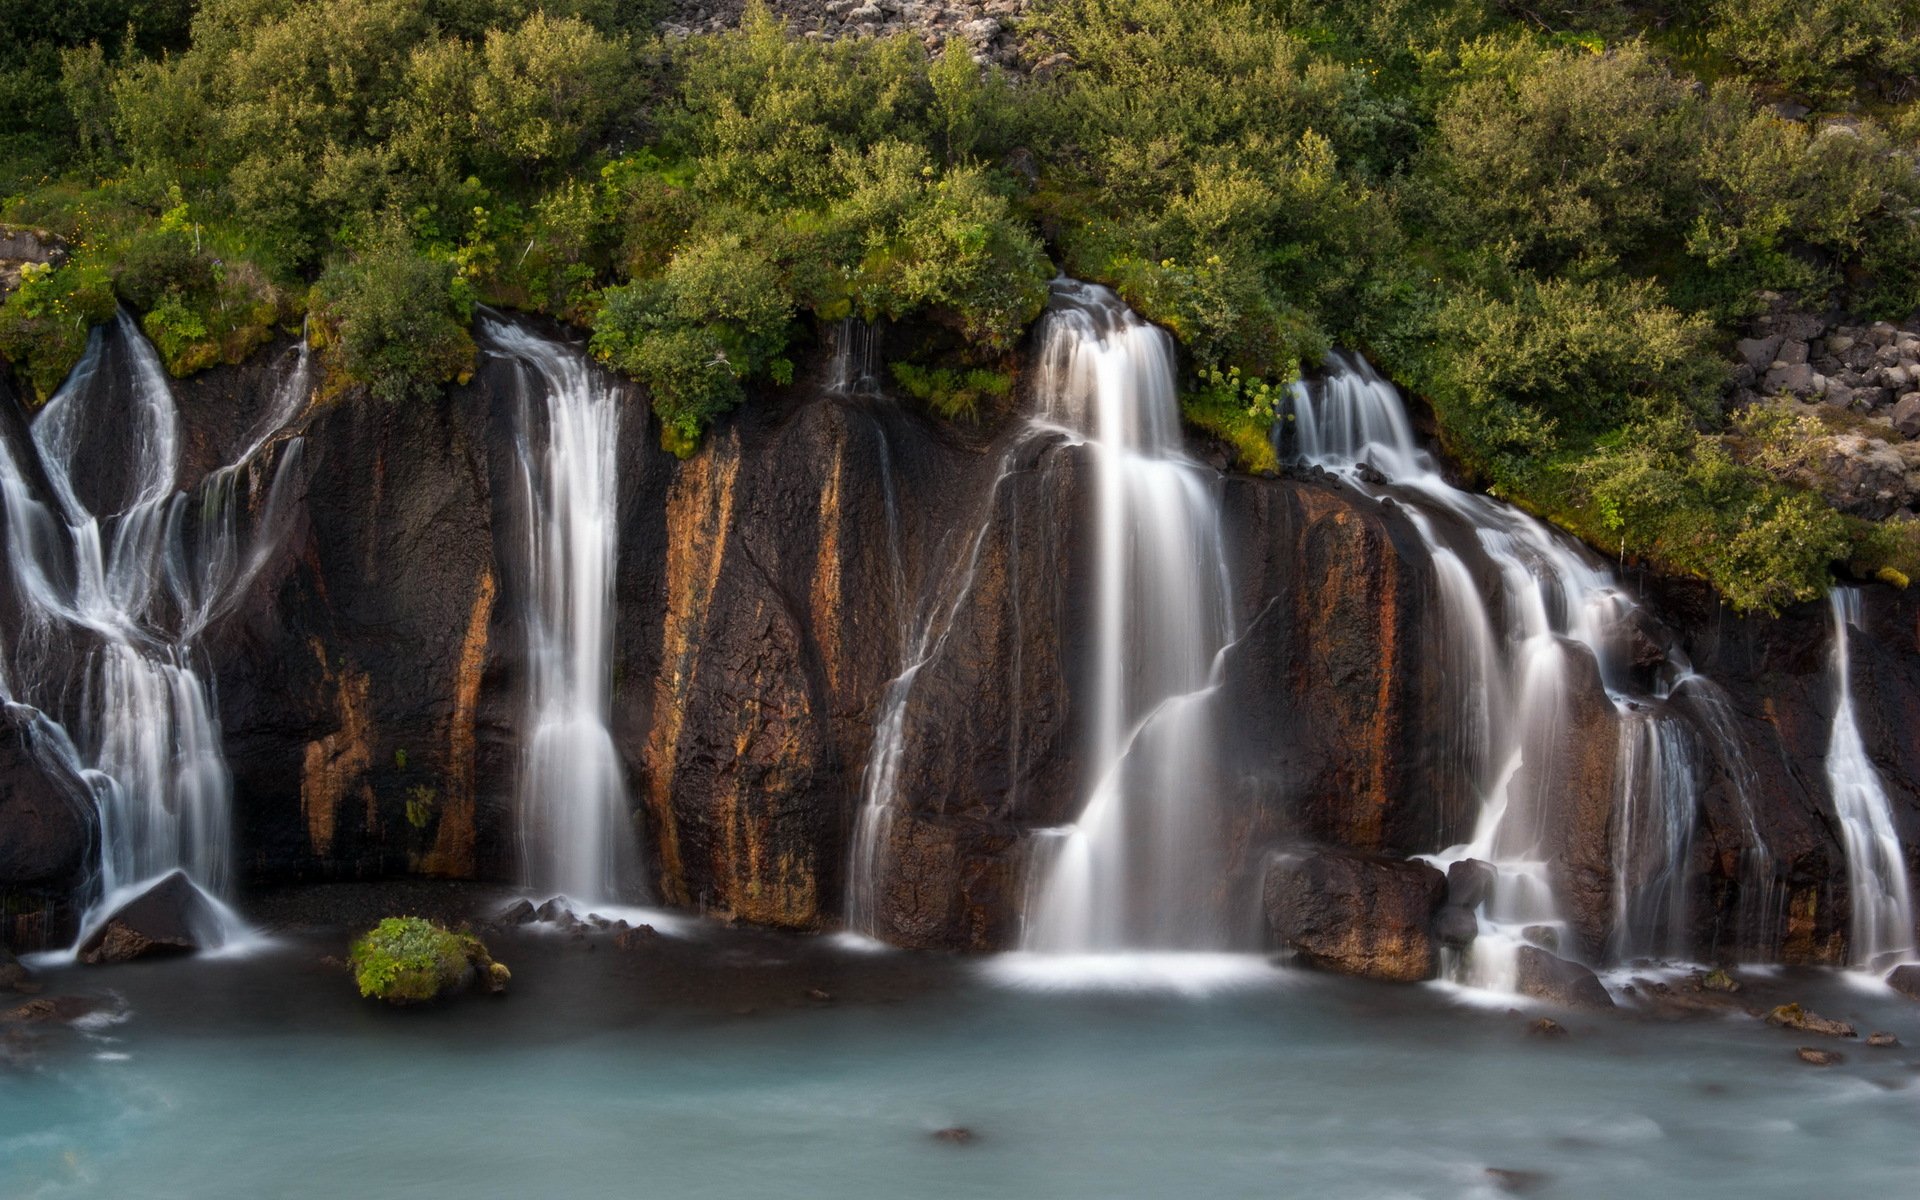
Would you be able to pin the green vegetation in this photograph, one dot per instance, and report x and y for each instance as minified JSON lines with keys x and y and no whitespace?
{"x":408,"y":960}
{"x":1550,"y":221}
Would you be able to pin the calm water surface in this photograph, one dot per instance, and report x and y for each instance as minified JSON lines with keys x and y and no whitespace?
{"x":703,"y":1067}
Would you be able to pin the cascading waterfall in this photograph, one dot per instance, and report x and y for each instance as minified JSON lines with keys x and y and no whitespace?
{"x":576,"y":830}
{"x":1883,"y":916}
{"x":124,"y":594}
{"x":1509,"y":658}
{"x":1137,"y":869}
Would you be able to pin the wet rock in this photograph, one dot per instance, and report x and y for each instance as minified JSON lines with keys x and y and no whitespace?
{"x":1356,"y":915}
{"x":171,"y":917}
{"x":819,"y":994}
{"x":520,"y":912}
{"x":1882,"y":1040}
{"x":1470,"y":882}
{"x":1553,"y":979}
{"x":1792,"y":1016}
{"x":1817,"y":1057}
{"x":1456,"y":927}
{"x":47,"y":822}
{"x":958,"y":1135}
{"x":1547,"y":937}
{"x":1718,"y":980}
{"x":1905,"y":980}
{"x":638,"y":936}
{"x":1548,"y":1028}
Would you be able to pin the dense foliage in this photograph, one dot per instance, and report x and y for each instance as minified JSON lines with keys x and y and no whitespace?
{"x":1550,"y":220}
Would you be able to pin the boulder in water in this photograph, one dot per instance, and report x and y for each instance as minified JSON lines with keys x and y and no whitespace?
{"x":1553,"y":979}
{"x":1469,"y":883}
{"x":1905,"y":980}
{"x":1882,"y":1041}
{"x":410,"y":960}
{"x":1356,"y":915}
{"x":520,"y":912}
{"x":171,"y":917}
{"x":1456,"y":927}
{"x":1817,"y":1057}
{"x":1792,"y":1016}
{"x":1718,"y":980}
{"x":958,"y":1135}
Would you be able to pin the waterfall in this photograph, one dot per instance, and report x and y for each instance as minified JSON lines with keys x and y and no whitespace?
{"x":1138,"y":869}
{"x":1882,"y":898}
{"x":576,"y":829}
{"x":855,"y":368}
{"x":1508,"y":656}
{"x":121,"y":597}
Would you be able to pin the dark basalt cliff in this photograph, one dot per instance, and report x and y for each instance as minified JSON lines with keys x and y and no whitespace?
{"x":770,"y":588}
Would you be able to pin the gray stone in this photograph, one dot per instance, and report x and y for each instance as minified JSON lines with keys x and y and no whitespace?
{"x":1759,"y":353}
{"x":1790,"y":380}
{"x":1792,"y":352}
{"x":1553,"y":979}
{"x":1906,"y":415}
{"x":1905,"y":980}
{"x":1456,"y":927}
{"x":1838,"y":394}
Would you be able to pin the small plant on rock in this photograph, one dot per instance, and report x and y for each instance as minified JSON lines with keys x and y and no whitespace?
{"x":410,"y":960}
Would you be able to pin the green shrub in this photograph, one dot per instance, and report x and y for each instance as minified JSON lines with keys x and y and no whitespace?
{"x":44,"y":323}
{"x":1240,"y":412}
{"x":408,"y":960}
{"x":1825,"y":49}
{"x":954,"y":394}
{"x":397,"y":320}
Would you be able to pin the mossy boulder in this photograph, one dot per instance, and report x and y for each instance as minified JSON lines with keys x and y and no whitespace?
{"x":410,"y":960}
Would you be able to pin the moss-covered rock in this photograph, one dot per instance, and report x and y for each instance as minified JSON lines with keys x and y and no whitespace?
{"x":410,"y":960}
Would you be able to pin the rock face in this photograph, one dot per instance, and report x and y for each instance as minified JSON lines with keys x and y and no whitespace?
{"x":171,"y":917}
{"x":1905,"y":980}
{"x":771,"y":589}
{"x":48,"y":836}
{"x":1353,"y":915}
{"x":1555,"y":980}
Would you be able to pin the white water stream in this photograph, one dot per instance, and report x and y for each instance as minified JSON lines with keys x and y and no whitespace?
{"x":121,"y":597}
{"x":576,"y":829}
{"x":1882,"y":926}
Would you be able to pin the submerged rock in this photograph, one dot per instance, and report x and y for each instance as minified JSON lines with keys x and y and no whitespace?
{"x":1792,"y":1016}
{"x":958,"y":1135}
{"x":1356,"y":915}
{"x":1718,"y":980}
{"x":1882,"y":1041}
{"x":45,"y":1009}
{"x":1553,"y":979}
{"x":1517,"y":1183}
{"x":171,"y":917}
{"x":1547,"y":1027}
{"x":1819,"y":1058}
